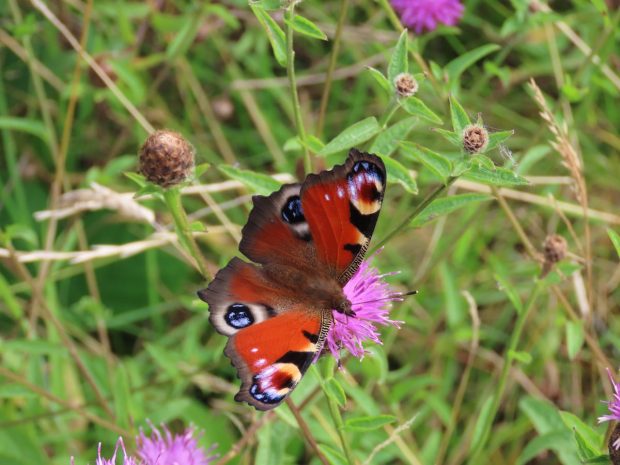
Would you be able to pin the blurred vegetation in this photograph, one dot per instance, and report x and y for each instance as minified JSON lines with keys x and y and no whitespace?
{"x":96,"y":340}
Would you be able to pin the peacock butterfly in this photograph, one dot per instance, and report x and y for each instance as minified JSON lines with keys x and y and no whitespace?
{"x":308,"y":240}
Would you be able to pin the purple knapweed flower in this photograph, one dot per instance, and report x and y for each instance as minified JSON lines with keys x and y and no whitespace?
{"x":172,"y":449}
{"x":371,"y":297}
{"x":127,"y":460}
{"x":614,"y":404}
{"x":421,"y":15}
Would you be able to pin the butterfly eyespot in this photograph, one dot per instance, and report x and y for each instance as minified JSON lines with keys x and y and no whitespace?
{"x":369,"y":168}
{"x":292,"y":212}
{"x":239,"y":316}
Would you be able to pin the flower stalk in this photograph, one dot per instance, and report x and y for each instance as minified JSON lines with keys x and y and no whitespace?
{"x":172,"y":197}
{"x":290,"y":71}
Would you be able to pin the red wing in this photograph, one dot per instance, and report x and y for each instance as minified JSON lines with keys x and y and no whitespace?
{"x":272,"y":356}
{"x":341,"y":207}
{"x":276,"y":231}
{"x":273,"y":340}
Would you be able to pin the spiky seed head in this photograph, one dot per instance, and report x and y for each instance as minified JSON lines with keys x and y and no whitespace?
{"x":406,"y":85}
{"x":166,"y":158}
{"x":475,"y":138}
{"x":554,"y":248}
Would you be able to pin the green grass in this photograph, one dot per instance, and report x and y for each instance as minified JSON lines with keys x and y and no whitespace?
{"x":92,"y":349}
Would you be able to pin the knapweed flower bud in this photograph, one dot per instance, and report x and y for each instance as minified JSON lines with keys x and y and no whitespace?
{"x":166,"y":158}
{"x":475,"y":138}
{"x":406,"y":85}
{"x":554,"y":250}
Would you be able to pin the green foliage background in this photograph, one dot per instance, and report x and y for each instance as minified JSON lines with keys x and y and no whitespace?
{"x":92,"y":350}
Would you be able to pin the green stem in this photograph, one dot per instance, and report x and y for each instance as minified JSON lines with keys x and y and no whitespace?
{"x":503,"y":377}
{"x":419,"y":209}
{"x":290,"y":71}
{"x":334,"y":411}
{"x":344,"y":5}
{"x":173,"y":201}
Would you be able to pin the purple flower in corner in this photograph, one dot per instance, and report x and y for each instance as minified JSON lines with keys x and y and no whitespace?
{"x":171,"y":449}
{"x":371,"y":297}
{"x":421,"y":15}
{"x":614,"y":404}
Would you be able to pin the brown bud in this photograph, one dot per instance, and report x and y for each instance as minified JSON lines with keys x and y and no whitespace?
{"x":223,"y":108}
{"x":475,"y":138}
{"x":614,"y":445}
{"x":166,"y":158}
{"x":406,"y":85}
{"x":554,"y":250}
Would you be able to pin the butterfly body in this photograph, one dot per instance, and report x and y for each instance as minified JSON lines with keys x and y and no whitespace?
{"x":307,"y":240}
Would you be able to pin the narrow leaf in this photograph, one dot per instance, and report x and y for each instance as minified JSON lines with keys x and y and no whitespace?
{"x":446,"y":205}
{"x":182,"y":41}
{"x":498,"y":138}
{"x":368,"y":423}
{"x":274,"y":33}
{"x":437,"y":164}
{"x":484,"y":417}
{"x":459,"y":116}
{"x":31,"y":126}
{"x":381,"y":79}
{"x":520,"y":356}
{"x":496,"y":177}
{"x":456,"y":67}
{"x":615,"y":239}
{"x":415,"y":106}
{"x":352,"y":136}
{"x":306,"y":27}
{"x":398,"y":61}
{"x":387,"y":141}
{"x":334,"y":456}
{"x":334,"y":390}
{"x":396,"y":171}
{"x":453,"y":138}
{"x":574,"y":338}
{"x":258,"y":182}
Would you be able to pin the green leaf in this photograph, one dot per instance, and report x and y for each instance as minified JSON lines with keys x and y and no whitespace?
{"x":615,"y":240}
{"x":274,"y":33}
{"x":396,"y":171}
{"x":352,"y":136}
{"x":334,"y":456}
{"x":182,"y":41}
{"x":306,"y":27}
{"x":398,"y":61}
{"x":201,"y":169}
{"x":453,"y":138}
{"x":574,"y":338}
{"x":436,"y":163}
{"x":484,"y":417}
{"x":334,"y":390}
{"x":257,"y":182}
{"x":553,"y":440}
{"x":520,"y":356}
{"x":415,"y":106}
{"x":387,"y":140}
{"x":30,"y":126}
{"x":457,"y":66}
{"x":459,"y":117}
{"x":592,"y":440}
{"x":136,"y":177}
{"x":510,"y":291}
{"x":381,"y":79}
{"x":496,"y":177}
{"x":122,"y":396}
{"x":368,"y":423}
{"x":446,"y":205}
{"x":498,"y":138}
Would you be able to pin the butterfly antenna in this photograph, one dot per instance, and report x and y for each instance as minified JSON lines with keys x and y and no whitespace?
{"x":394,"y":296}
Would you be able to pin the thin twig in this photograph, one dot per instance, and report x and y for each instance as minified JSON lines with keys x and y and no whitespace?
{"x":305,"y":429}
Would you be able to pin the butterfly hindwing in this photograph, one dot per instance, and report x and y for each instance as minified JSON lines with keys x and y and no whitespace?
{"x":341,"y":207}
{"x":272,"y":338}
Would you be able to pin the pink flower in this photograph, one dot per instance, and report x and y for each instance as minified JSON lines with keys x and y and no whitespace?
{"x":171,"y":449}
{"x":127,"y":460}
{"x":421,"y":15}
{"x":613,"y":404}
{"x":371,"y":297}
